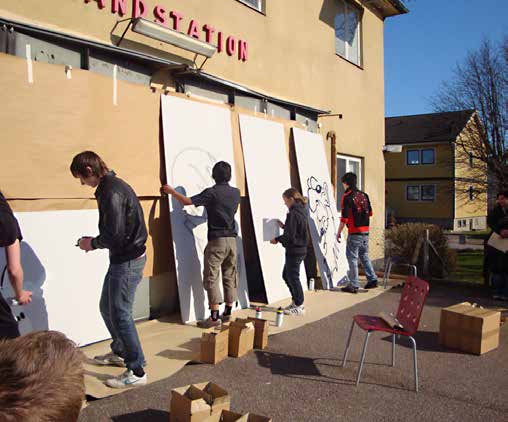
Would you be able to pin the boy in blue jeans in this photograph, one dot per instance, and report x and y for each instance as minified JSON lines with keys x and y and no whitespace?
{"x":356,"y":213}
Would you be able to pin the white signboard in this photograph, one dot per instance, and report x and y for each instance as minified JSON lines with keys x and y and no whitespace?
{"x":323,"y":216}
{"x":66,"y":282}
{"x":267,"y":170}
{"x":196,"y":136}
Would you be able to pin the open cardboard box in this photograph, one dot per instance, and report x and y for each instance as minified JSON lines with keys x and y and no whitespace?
{"x":228,"y":416}
{"x":214,"y":345}
{"x":241,"y":337}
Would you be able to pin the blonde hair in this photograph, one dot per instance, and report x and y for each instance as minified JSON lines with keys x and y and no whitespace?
{"x":42,"y":378}
{"x":297,"y":196}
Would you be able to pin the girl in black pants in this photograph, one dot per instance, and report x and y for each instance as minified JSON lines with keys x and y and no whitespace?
{"x":295,"y":240}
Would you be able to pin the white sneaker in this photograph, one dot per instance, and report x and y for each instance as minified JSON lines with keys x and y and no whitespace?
{"x":291,"y":305}
{"x":296,"y":310}
{"x":127,"y":379}
{"x":109,"y":359}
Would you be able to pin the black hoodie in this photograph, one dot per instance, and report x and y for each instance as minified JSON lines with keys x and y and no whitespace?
{"x":295,"y":237}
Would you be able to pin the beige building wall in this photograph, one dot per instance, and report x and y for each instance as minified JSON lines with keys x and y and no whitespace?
{"x":291,"y":55}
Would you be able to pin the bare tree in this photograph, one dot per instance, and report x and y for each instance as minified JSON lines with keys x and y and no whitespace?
{"x":480,"y":82}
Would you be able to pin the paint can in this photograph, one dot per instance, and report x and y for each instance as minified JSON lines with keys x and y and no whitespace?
{"x":312,"y":284}
{"x":259,"y":314}
{"x":280,"y":316}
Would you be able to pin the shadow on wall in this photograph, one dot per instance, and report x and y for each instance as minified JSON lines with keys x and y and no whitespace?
{"x":34,"y":277}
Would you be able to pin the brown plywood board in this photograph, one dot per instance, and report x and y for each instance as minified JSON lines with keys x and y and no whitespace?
{"x":168,"y":345}
{"x":48,"y":122}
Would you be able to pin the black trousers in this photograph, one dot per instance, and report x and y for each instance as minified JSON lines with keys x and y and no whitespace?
{"x":291,"y":275}
{"x":8,"y":325}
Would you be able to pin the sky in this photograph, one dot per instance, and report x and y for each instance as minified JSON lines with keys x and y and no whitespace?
{"x":423,"y":47}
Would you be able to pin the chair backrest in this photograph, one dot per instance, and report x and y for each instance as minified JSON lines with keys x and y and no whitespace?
{"x":411,"y":303}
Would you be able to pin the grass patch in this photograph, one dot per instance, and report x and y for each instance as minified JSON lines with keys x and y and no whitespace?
{"x":469,"y":267}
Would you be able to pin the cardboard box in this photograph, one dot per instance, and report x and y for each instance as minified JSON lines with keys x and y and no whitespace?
{"x":241,"y":337}
{"x":260,"y":332}
{"x":469,"y":328}
{"x":214,"y":345}
{"x":228,"y":416}
{"x":203,"y":402}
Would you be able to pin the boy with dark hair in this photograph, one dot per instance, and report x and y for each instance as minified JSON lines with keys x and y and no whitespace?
{"x":42,"y":378}
{"x":497,"y":220}
{"x":356,"y":213}
{"x":122,"y":230}
{"x":221,"y":203}
{"x":10,"y":238}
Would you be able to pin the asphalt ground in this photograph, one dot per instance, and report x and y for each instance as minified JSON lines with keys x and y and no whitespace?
{"x":299,"y":376}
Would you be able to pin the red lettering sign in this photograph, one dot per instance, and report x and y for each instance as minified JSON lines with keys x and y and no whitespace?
{"x":138,"y":8}
{"x":160,"y":15}
{"x":193,"y":30}
{"x":177,"y":17}
{"x":119,"y":6}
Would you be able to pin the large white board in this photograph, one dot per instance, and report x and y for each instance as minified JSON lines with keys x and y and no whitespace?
{"x":323,"y":215}
{"x":66,"y":282}
{"x":196,"y":136}
{"x":267,"y":170}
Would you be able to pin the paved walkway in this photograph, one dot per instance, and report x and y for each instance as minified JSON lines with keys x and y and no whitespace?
{"x":299,"y":377}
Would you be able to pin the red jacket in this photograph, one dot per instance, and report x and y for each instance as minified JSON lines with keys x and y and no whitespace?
{"x":356,"y":211}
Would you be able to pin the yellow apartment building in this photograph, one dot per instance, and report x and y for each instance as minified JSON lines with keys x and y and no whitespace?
{"x":435,"y":178}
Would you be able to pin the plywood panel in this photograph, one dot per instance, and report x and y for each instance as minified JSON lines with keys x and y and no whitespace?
{"x":267,"y":169}
{"x":323,"y":218}
{"x":196,"y":136}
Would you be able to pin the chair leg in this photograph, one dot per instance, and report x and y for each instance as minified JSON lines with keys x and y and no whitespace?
{"x":363,"y":358}
{"x":393,"y":350}
{"x":415,"y":363}
{"x":387,"y":272}
{"x":348,"y":344}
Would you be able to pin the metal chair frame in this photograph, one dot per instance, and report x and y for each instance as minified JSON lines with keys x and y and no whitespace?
{"x":388,"y":270}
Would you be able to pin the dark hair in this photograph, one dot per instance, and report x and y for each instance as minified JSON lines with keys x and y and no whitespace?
{"x":297,"y":196}
{"x":221,"y":172}
{"x":88,"y":159}
{"x":42,"y":378}
{"x":503,"y":193}
{"x":350,"y":179}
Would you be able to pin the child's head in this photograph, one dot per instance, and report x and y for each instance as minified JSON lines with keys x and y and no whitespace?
{"x":350,"y":180}
{"x":88,"y":167}
{"x":221,"y":172}
{"x":292,"y":196}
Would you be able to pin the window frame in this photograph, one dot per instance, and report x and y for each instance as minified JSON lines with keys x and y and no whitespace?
{"x":420,"y":156}
{"x":433,"y":156}
{"x":348,"y":158}
{"x":407,"y":193}
{"x":260,"y":9}
{"x":470,"y":193}
{"x":407,"y":157}
{"x":359,"y":59}
{"x":435,"y":192}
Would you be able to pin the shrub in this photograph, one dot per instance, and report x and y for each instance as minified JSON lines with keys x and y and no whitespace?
{"x":402,"y":241}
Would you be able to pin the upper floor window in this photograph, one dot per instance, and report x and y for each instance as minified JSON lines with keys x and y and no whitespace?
{"x":471,"y":159}
{"x":471,"y":193}
{"x":347,"y":32}
{"x":259,"y":5}
{"x":420,"y":156}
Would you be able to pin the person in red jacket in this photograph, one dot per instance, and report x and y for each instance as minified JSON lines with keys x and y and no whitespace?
{"x":356,"y":213}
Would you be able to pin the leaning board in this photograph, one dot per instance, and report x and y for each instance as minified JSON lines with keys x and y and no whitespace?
{"x":267,"y":170}
{"x":66,"y":282}
{"x":196,"y":136}
{"x":323,"y":216}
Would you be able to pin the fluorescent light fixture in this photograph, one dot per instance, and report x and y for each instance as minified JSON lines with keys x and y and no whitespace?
{"x":392,"y":148}
{"x":178,"y":39}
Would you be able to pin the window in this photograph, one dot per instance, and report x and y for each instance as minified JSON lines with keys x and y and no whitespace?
{"x":413,"y":193}
{"x":255,"y":4}
{"x":428,"y":192}
{"x":347,"y":164}
{"x":471,"y":159}
{"x":428,"y":156}
{"x":471,"y":193}
{"x":415,"y":157}
{"x":347,"y":32}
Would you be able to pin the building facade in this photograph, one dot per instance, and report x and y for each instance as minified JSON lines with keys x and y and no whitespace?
{"x":437,"y":177}
{"x":76,"y":77}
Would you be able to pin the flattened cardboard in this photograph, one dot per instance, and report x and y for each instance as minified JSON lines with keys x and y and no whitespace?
{"x":189,"y":404}
{"x":260,"y":332}
{"x":228,"y":416}
{"x":469,"y":329}
{"x":214,"y":345}
{"x":241,"y":337}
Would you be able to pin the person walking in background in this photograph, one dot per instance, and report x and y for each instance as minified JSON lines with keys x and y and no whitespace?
{"x":221,"y":202}
{"x":10,"y":238}
{"x":295,"y":240}
{"x":122,"y":231}
{"x":356,"y":213}
{"x":497,"y":220}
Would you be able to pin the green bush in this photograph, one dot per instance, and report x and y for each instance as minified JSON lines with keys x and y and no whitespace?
{"x":402,"y":241}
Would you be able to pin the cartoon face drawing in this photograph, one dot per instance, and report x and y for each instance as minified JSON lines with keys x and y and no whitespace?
{"x":321,"y":211}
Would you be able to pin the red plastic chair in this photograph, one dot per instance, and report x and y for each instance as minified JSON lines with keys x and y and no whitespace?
{"x":410,"y":310}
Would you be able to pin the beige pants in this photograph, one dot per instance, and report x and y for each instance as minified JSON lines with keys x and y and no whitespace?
{"x":220,"y":254}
